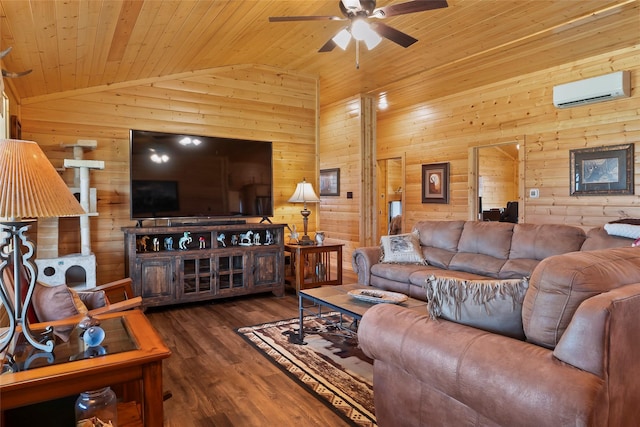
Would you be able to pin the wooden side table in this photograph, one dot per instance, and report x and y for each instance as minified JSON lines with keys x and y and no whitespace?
{"x":140,"y":366}
{"x":314,"y":265}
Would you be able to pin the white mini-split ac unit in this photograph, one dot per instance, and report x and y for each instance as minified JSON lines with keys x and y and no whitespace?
{"x":596,"y":89}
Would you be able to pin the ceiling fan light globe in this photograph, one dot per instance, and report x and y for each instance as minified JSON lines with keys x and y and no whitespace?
{"x":372,"y":40}
{"x":342,"y":39}
{"x":360,"y":29}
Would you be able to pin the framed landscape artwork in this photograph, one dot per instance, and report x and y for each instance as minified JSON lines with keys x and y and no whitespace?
{"x":435,"y":183}
{"x":602,"y":170}
{"x":330,"y":182}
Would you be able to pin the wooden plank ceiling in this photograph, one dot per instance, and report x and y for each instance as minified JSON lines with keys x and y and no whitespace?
{"x":73,"y":45}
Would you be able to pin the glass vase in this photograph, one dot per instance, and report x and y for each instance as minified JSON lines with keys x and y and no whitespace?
{"x":97,"y":408}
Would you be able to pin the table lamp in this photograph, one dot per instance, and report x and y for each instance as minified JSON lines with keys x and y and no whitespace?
{"x":305,"y":194}
{"x":30,"y":188}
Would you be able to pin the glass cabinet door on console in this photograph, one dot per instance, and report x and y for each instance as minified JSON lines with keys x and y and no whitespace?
{"x":197,"y":277}
{"x":230,"y":272}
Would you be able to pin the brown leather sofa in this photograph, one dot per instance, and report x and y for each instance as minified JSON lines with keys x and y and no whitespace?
{"x":477,"y":250}
{"x":578,"y":364}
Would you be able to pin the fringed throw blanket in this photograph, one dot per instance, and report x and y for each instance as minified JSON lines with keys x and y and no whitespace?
{"x":493,"y":305}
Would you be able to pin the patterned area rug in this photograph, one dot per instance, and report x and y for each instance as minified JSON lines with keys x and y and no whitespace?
{"x":330,"y":365}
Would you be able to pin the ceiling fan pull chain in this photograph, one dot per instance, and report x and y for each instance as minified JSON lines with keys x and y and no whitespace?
{"x":357,"y":54}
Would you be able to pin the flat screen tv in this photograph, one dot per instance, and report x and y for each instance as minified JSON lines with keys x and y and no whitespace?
{"x":190,"y":176}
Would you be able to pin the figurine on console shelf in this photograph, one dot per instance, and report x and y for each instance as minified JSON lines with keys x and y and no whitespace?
{"x":185,"y":240}
{"x":142,"y":243}
{"x":168,"y":243}
{"x":245,"y":238}
{"x":268,"y":240}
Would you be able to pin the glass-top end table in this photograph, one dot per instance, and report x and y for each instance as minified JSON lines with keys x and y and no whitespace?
{"x":69,"y":346}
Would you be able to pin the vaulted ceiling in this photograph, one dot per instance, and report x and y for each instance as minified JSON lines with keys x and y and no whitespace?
{"x":73,"y":45}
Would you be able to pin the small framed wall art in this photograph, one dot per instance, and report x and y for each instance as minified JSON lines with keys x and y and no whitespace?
{"x":330,"y":182}
{"x":435,"y":183}
{"x":602,"y":170}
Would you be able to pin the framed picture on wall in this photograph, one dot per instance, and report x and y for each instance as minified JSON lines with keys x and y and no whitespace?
{"x":602,"y":170}
{"x":330,"y":182}
{"x":435,"y":183}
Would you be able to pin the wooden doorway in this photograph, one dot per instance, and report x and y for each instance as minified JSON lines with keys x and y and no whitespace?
{"x":496,"y":179}
{"x":390,"y":191}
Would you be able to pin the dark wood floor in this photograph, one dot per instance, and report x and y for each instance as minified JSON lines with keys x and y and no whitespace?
{"x":217,"y":379}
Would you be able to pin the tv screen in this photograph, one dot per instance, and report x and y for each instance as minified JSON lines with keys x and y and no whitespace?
{"x":190,"y":176}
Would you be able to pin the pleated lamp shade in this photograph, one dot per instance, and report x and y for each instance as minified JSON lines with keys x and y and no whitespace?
{"x":304,"y":193}
{"x":30,"y":187}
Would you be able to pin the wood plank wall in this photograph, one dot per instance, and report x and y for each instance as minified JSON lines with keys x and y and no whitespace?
{"x":514,"y":110}
{"x":519,"y":109}
{"x":265,"y":104}
{"x":251,"y":102}
{"x":340,"y":147}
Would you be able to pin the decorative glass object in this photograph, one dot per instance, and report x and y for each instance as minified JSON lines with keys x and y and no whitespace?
{"x":97,"y":408}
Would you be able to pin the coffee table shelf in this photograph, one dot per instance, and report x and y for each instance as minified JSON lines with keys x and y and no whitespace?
{"x":337,"y":298}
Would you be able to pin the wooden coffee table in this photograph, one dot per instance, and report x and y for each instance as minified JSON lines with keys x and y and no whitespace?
{"x":336,"y":298}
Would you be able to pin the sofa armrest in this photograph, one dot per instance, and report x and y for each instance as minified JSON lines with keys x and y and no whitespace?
{"x":604,"y":328}
{"x":362,"y":261}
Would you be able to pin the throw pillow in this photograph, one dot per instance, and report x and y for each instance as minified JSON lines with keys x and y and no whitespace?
{"x":56,"y":302}
{"x":492,"y":305}
{"x":93,"y":299}
{"x":401,"y":249}
{"x":624,"y":228}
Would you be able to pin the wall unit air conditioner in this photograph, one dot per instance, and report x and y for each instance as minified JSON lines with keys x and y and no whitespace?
{"x":596,"y":89}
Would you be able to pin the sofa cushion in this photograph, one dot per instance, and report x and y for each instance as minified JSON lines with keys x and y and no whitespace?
{"x":540,"y":241}
{"x":561,"y":283}
{"x":482,"y":264}
{"x":517,"y":268}
{"x":401,"y":248}
{"x":440,"y":258}
{"x":598,"y":238}
{"x":398,"y":272}
{"x":491,"y":305}
{"x":440,"y":234}
{"x":534,"y":242}
{"x":487,"y":238}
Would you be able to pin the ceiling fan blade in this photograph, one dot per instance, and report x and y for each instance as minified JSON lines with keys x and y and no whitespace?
{"x":304,"y":18}
{"x":383,"y":30}
{"x":328,"y":46}
{"x":408,"y":7}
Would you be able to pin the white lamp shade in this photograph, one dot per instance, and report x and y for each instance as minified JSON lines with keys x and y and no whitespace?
{"x":30,"y":187}
{"x":304,"y":193}
{"x":342,"y":39}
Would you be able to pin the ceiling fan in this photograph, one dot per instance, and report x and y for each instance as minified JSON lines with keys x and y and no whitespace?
{"x":358,"y":12}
